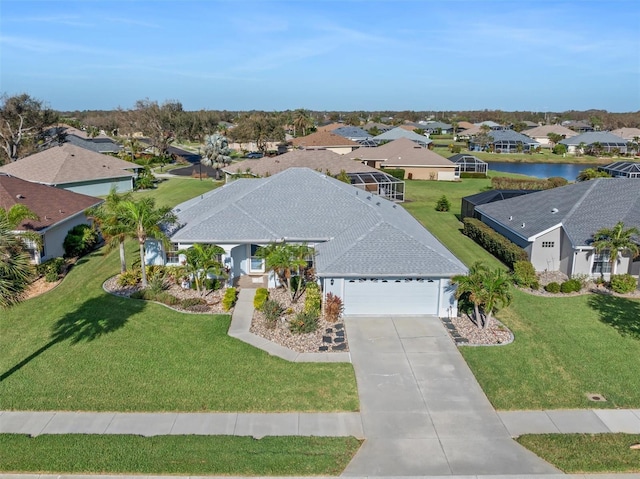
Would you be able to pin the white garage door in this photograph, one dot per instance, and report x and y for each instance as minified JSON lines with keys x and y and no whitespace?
{"x":389,"y":296}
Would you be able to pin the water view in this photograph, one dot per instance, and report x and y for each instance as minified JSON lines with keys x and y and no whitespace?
{"x":541,"y":170}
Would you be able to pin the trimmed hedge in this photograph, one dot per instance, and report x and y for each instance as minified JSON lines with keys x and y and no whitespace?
{"x":262,"y":294}
{"x":230,"y":298}
{"x":472,"y":174}
{"x":505,"y":183}
{"x":395,"y":172}
{"x":623,"y":283}
{"x":496,"y":244}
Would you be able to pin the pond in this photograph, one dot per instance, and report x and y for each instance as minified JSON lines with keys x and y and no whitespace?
{"x":541,"y":170}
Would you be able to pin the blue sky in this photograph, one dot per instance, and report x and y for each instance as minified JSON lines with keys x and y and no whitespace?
{"x":324,"y":55}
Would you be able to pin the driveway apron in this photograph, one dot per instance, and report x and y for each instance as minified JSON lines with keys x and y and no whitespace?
{"x":423,"y":411}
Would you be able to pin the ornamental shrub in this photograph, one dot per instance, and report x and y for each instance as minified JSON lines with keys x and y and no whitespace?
{"x":552,"y":287}
{"x":524,"y":275}
{"x":396,"y":173}
{"x":443,"y":204}
{"x":313,"y":299}
{"x":333,"y":307}
{"x":623,"y":283}
{"x":272,"y":312}
{"x":570,"y":286}
{"x":262,"y":294}
{"x":131,"y":277}
{"x":79,"y":241}
{"x":230,"y":298}
{"x":304,"y":322}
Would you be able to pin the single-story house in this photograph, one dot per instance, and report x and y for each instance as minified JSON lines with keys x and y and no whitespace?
{"x":541,"y":133}
{"x":400,"y":132}
{"x":436,"y":127}
{"x":381,"y":127}
{"x":325,"y":140}
{"x":75,"y":169}
{"x":556,"y":227}
{"x":418,"y":163}
{"x":596,"y":142}
{"x":467,"y":163}
{"x":99,"y":144}
{"x":368,"y":251}
{"x":623,"y":169}
{"x":58,"y":210}
{"x":505,"y":141}
{"x":325,"y":161}
{"x":581,"y":126}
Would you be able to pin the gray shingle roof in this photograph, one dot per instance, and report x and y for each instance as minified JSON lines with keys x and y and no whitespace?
{"x":359,"y":233}
{"x":595,"y":137}
{"x":582,"y":208}
{"x":510,"y":135}
{"x":352,"y":132}
{"x":398,"y":132}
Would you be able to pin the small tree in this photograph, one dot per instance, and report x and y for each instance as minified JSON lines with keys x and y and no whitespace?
{"x":443,"y":204}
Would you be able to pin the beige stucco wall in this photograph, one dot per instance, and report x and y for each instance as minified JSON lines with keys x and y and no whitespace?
{"x":428,"y":173}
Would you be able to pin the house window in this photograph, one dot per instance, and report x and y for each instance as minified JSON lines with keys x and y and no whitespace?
{"x":601,"y":263}
{"x":548,"y":244}
{"x":256,"y":265}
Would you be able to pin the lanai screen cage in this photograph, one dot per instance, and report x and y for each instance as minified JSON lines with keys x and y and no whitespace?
{"x":623,"y":169}
{"x":469,"y":164}
{"x":379,"y":184}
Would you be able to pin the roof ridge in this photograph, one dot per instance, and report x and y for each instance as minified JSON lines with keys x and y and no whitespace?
{"x":581,"y":200}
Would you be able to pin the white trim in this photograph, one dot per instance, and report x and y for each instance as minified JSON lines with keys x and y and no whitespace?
{"x":544,"y":232}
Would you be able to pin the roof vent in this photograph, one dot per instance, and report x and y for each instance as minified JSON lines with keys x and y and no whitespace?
{"x":19,"y":196}
{"x":510,"y":218}
{"x":523,"y":225}
{"x":554,"y":210}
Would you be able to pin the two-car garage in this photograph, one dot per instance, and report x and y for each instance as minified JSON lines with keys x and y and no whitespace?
{"x":387,"y":296}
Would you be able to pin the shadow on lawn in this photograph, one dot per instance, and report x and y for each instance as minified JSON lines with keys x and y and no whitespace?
{"x":621,"y":313}
{"x":94,"y":318}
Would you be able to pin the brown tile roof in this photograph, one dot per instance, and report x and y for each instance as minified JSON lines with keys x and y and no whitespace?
{"x":544,"y":130}
{"x":51,"y":204}
{"x":330,"y":126}
{"x":322,"y":139}
{"x":68,"y":164}
{"x":319,"y":160}
{"x":627,"y":133}
{"x":464,"y":125}
{"x":401,"y":152}
{"x":408,"y":127}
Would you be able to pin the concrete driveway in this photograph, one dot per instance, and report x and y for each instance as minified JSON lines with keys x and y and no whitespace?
{"x":422,"y":409}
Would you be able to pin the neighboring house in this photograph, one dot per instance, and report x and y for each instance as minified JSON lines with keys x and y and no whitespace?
{"x":381,"y":127}
{"x":622,"y":169}
{"x":469,"y":132}
{"x":75,"y":169}
{"x":469,"y":203}
{"x":464,"y":125}
{"x":629,"y":134}
{"x":325,"y":140}
{"x":99,"y":144}
{"x":353,"y":133}
{"x":418,"y":163}
{"x":578,"y":125}
{"x":491,"y":124}
{"x":58,"y":210}
{"x":330,"y":126}
{"x":368,"y":251}
{"x":506,"y":141}
{"x":325,"y":161}
{"x":541,"y":134}
{"x":556,"y":227}
{"x":603,"y":141}
{"x":466,"y":163}
{"x":400,"y":132}
{"x":436,"y":127}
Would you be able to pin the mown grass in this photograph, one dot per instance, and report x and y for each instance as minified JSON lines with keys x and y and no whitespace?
{"x":564,"y":349}
{"x":203,"y":455}
{"x":173,"y":191}
{"x":79,"y":348}
{"x":586,"y":453}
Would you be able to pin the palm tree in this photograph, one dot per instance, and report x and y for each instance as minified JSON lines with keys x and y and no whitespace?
{"x":301,"y":121}
{"x":16,"y":270}
{"x":144,"y":220}
{"x":469,"y":286}
{"x":495,"y":290}
{"x":16,"y":215}
{"x":283,"y":259}
{"x":202,"y":260}
{"x":108,"y":217}
{"x":216,"y":152}
{"x":616,"y":240}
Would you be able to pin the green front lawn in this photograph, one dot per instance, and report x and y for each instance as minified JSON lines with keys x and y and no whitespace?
{"x":183,"y":455}
{"x":173,"y":191}
{"x":79,"y":348}
{"x":586,"y":453}
{"x":564,"y":349}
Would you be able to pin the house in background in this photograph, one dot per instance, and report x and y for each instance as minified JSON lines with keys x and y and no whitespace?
{"x":99,"y":144}
{"x":418,"y":163}
{"x":505,"y":141}
{"x":596,"y":142}
{"x":556,"y":227}
{"x":629,"y":134}
{"x":325,"y":140}
{"x":541,"y":134}
{"x":361,"y":176}
{"x":400,"y":132}
{"x":436,"y":127}
{"x":75,"y":169}
{"x":58,"y":210}
{"x":353,"y":133}
{"x":368,"y":251}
